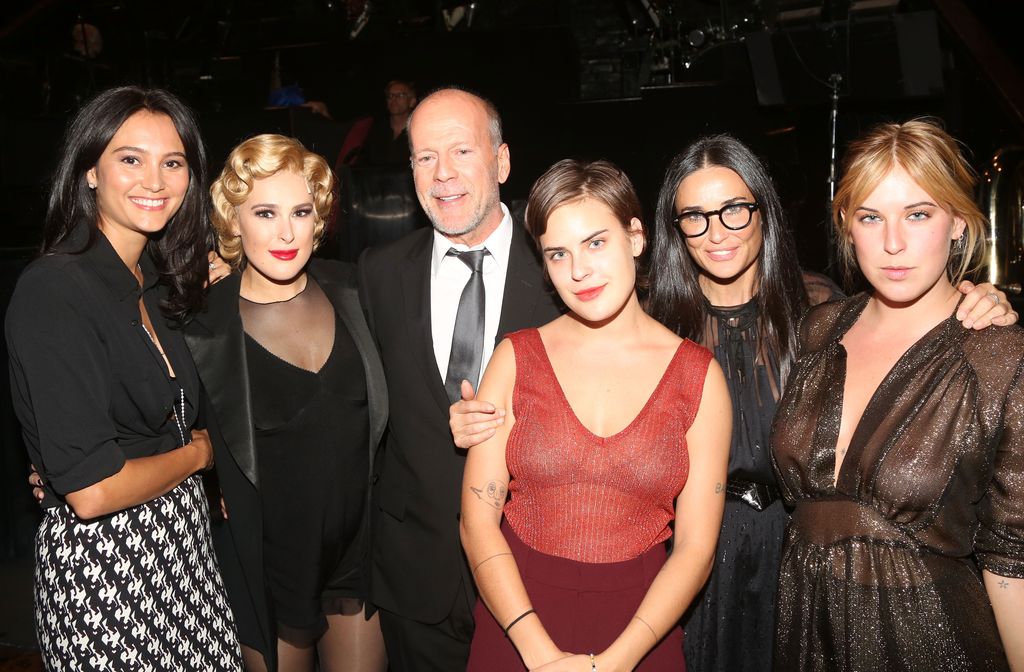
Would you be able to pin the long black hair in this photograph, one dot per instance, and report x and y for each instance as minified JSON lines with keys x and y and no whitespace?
{"x":675,"y":297}
{"x":179,"y":251}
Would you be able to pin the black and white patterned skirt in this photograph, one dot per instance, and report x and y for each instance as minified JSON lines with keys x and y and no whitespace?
{"x":138,"y":590}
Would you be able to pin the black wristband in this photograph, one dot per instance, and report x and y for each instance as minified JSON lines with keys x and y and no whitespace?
{"x":517,"y":619}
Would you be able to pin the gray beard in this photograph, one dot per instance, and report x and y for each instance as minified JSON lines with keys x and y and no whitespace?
{"x":473,"y":225}
{"x":461,"y":231}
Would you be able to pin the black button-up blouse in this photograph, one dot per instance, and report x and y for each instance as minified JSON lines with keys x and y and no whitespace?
{"x":88,"y":384}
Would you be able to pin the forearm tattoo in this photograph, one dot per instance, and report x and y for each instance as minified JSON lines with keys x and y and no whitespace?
{"x":719,"y":488}
{"x":492,"y":494}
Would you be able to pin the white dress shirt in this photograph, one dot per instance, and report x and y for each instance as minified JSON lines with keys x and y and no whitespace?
{"x":448,"y":277}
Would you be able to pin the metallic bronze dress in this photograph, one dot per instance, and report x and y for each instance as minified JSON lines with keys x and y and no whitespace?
{"x":883,"y":570}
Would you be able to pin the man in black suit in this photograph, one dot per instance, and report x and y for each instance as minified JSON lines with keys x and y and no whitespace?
{"x":413,"y":292}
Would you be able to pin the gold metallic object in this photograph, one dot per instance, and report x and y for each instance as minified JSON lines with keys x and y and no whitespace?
{"x":1002,"y":201}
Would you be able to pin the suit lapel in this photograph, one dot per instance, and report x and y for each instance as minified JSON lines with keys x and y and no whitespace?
{"x":217,"y":342}
{"x":416,"y":297}
{"x":524,"y":286}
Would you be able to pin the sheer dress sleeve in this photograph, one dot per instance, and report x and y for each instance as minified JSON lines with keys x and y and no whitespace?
{"x":999,"y":544}
{"x":818,"y":324}
{"x":820,"y":288}
{"x":60,"y":381}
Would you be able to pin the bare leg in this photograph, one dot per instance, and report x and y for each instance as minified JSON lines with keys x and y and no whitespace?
{"x":351,"y":643}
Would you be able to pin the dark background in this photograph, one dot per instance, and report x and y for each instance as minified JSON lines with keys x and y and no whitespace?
{"x":632,"y":81}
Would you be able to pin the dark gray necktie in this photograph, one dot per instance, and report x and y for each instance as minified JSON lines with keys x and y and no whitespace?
{"x":468,"y":338}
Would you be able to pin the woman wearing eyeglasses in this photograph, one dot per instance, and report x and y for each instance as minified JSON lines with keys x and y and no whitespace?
{"x":724,"y":273}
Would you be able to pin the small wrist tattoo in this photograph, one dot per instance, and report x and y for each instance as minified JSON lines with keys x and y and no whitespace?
{"x":719,"y":488}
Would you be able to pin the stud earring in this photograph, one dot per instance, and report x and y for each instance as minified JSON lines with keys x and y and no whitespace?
{"x":92,"y":186}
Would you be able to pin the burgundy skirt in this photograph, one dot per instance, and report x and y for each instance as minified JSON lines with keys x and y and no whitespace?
{"x":583,"y":606}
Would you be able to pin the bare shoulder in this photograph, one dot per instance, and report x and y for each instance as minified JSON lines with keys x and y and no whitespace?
{"x":504,"y":353}
{"x":502,"y":364}
{"x":500,"y":376}
{"x":714,"y":382}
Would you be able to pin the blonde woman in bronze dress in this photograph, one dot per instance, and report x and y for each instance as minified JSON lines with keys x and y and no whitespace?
{"x":900,"y":437}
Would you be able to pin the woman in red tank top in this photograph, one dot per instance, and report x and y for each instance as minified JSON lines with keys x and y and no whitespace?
{"x":615,"y":427}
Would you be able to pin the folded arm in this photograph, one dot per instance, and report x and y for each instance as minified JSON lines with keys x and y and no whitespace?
{"x":61,"y":373}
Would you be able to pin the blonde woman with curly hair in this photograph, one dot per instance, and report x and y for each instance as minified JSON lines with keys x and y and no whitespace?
{"x":900,"y":436}
{"x":299,"y":405}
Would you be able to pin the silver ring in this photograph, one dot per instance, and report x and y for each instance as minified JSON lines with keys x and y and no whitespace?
{"x":993,"y":296}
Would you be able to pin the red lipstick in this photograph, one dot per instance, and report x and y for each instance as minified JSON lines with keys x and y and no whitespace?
{"x":284,"y":255}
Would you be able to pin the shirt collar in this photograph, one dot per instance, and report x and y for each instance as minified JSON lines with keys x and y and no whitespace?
{"x":111,"y":269}
{"x":499,"y":243}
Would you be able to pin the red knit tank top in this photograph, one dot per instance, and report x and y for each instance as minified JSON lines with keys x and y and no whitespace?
{"x":588,"y":498}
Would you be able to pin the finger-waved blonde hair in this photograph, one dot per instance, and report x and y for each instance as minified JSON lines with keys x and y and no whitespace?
{"x":257,"y":158}
{"x":933,"y":159}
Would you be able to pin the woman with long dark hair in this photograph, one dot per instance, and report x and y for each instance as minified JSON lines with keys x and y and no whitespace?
{"x":724,"y":273}
{"x":109,"y":400}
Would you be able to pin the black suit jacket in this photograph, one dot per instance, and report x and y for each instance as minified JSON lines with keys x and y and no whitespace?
{"x":416,"y":557}
{"x":217,"y":342}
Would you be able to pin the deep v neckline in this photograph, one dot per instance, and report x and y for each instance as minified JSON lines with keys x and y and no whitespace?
{"x":293,"y":365}
{"x":572,"y":412}
{"x":856,"y":444}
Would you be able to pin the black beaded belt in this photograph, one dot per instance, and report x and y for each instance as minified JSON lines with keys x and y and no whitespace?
{"x":757,"y":495}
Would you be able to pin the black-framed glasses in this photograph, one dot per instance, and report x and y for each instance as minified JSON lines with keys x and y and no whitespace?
{"x":735,"y":216}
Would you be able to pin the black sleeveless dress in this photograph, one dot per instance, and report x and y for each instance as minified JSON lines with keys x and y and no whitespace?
{"x":310,"y":427}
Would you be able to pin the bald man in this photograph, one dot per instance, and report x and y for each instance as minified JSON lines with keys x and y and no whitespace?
{"x":411,"y":291}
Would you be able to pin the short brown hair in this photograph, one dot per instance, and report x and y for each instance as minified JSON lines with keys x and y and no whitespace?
{"x":257,"y":158}
{"x":933,"y":159}
{"x":572,"y":180}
